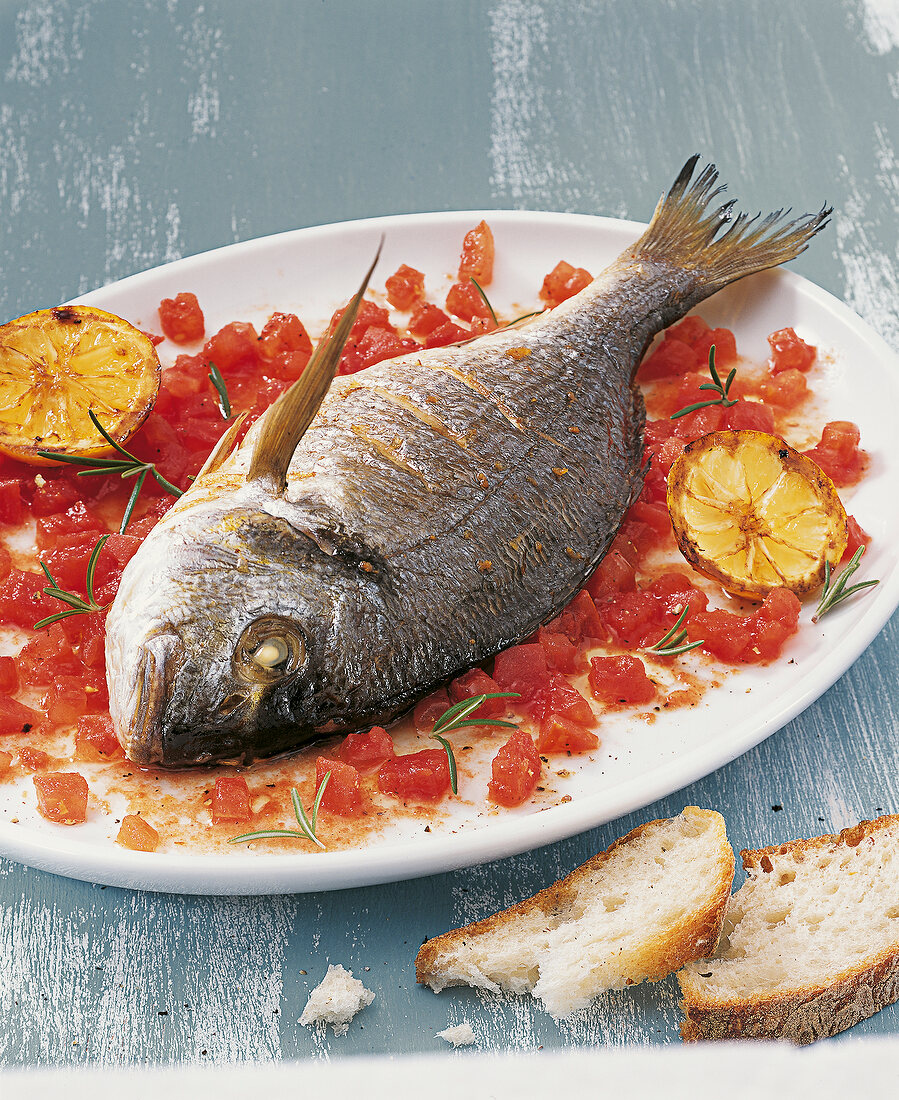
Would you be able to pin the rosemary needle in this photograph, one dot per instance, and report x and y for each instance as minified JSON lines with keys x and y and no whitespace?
{"x":836,"y":591}
{"x":307,"y":826}
{"x":719,"y":387}
{"x":675,"y":641}
{"x":76,"y":605}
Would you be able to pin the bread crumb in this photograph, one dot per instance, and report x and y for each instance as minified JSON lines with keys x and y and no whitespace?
{"x":336,"y":1000}
{"x":460,"y":1036}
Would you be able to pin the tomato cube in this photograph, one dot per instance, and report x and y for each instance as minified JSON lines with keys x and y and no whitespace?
{"x":725,"y":347}
{"x":426,"y":319}
{"x":405,"y":287}
{"x":230,"y":800}
{"x":466,"y":301}
{"x":669,"y":359}
{"x":181,"y":318}
{"x":9,"y":675}
{"x":858,"y":536}
{"x":515,"y":770}
{"x":621,"y":679}
{"x":790,"y":352}
{"x":560,"y":734}
{"x":477,"y":682}
{"x":416,"y":775}
{"x":5,"y":762}
{"x":95,"y":739}
{"x":284,"y":332}
{"x":366,"y":751}
{"x":342,"y":794}
{"x":62,"y":797}
{"x":580,"y":620}
{"x":445,"y":334}
{"x":561,"y":652}
{"x":429,"y":709}
{"x":523,"y":670}
{"x":12,"y":507}
{"x":563,"y":282}
{"x":137,"y":834}
{"x":476,"y":261}
{"x":565,"y":700}
{"x":233,"y":349}
{"x":15,"y":717}
{"x":35,"y":760}
{"x":752,"y":415}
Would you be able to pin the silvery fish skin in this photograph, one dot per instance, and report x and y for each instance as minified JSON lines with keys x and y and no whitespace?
{"x":439,"y":508}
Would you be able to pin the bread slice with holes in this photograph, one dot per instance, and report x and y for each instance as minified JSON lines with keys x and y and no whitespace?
{"x":650,"y":903}
{"x":810,"y":943}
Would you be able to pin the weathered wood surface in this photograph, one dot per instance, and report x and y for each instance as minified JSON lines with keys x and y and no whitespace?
{"x":134,"y":133}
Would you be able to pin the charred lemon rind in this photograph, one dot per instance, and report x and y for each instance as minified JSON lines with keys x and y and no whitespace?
{"x":58,"y":364}
{"x":752,"y":514}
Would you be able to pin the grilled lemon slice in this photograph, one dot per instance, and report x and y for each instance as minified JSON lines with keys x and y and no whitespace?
{"x":56,"y":365}
{"x":753,"y":514}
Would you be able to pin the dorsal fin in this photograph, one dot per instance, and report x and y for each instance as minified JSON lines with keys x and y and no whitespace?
{"x":290,"y":416}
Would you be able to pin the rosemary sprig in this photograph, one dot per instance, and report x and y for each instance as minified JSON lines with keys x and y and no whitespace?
{"x":675,"y":641}
{"x":721,"y":388}
{"x":306,"y":825}
{"x":480,"y":291}
{"x":837,"y":591}
{"x":76,"y":605}
{"x":128,"y":466}
{"x":451,"y":760}
{"x":456,"y":717}
{"x":215,"y":377}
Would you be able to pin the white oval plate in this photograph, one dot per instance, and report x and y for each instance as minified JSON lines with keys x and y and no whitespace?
{"x":311,"y":272}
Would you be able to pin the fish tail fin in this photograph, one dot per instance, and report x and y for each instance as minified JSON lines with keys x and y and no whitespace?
{"x":684,"y":230}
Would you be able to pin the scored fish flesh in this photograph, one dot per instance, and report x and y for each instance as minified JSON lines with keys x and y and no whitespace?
{"x":436,"y":508}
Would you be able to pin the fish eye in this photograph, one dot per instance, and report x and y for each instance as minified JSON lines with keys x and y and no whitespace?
{"x":269,"y":649}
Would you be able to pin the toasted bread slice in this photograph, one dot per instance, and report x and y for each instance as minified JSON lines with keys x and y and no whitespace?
{"x":653,"y":901}
{"x":810,"y":943}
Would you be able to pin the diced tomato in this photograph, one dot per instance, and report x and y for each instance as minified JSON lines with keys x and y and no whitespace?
{"x":787,"y":389}
{"x":15,"y":717}
{"x":560,"y":734}
{"x":417,"y":775}
{"x":12,"y":507}
{"x":76,"y":520}
{"x":700,"y":422}
{"x":724,"y":635}
{"x":405,"y":287}
{"x":523,"y":669}
{"x":9,"y":676}
{"x":749,"y":638}
{"x":65,"y":701}
{"x":790,"y":352}
{"x":429,"y":709}
{"x":480,"y":325}
{"x":233,"y":349}
{"x":725,"y":347}
{"x":62,"y":797}
{"x":668,"y":359}
{"x":367,"y":751}
{"x":752,"y":415}
{"x":564,"y":700}
{"x":561,"y":652}
{"x":378,"y":344}
{"x":613,"y":574}
{"x":691,"y":330}
{"x":579,"y":620}
{"x":95,"y":739}
{"x":515,"y":769}
{"x":34,"y":760}
{"x":477,"y":682}
{"x":621,"y":679}
{"x":773,"y":623}
{"x":426,"y":319}
{"x":137,"y":834}
{"x":342,"y":794}
{"x":186,"y":377}
{"x":655,"y":515}
{"x":476,"y":261}
{"x":5,"y":762}
{"x":284,"y":333}
{"x":55,"y":495}
{"x":839,"y":455}
{"x":447,"y":333}
{"x":563,"y":282}
{"x":230,"y":800}
{"x":181,"y":318}
{"x":858,"y":536}
{"x":466,"y":301}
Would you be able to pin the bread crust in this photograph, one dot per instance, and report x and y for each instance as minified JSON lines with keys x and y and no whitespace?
{"x":813,"y":1012}
{"x":694,"y":938}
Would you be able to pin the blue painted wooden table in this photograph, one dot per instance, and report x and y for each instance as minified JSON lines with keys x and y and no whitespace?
{"x":132,"y":133}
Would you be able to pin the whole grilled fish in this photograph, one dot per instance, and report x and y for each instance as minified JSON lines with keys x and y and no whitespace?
{"x":435,"y":509}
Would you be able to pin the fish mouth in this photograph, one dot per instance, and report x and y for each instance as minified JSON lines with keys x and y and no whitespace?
{"x":159,"y":658}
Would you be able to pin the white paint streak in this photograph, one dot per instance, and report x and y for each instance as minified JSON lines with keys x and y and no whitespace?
{"x":872,"y":274}
{"x":172,"y":234}
{"x":519,"y":36}
{"x":48,"y":41}
{"x":880,"y":22}
{"x":202,"y":49}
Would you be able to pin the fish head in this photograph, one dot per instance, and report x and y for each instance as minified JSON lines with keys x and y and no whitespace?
{"x":218,"y":640}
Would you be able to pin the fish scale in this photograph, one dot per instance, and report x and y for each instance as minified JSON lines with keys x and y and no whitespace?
{"x":414,"y":519}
